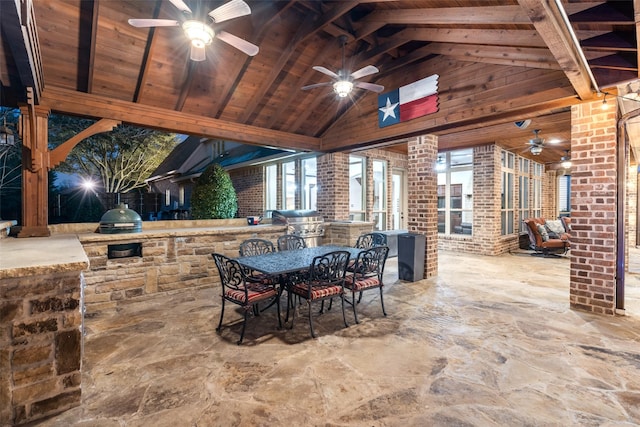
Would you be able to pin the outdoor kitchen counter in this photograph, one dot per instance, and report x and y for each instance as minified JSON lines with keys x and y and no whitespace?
{"x":180,"y":232}
{"x":21,"y":257}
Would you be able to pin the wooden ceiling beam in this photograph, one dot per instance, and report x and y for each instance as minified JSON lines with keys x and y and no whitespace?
{"x":498,"y":15}
{"x":527,"y":38}
{"x":148,"y":52}
{"x":86,"y":105}
{"x":549,"y":23}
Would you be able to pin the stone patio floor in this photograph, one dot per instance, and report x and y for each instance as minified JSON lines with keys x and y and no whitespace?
{"x":490,"y":341}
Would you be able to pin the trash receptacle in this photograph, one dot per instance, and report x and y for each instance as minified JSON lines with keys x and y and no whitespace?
{"x":411,"y":247}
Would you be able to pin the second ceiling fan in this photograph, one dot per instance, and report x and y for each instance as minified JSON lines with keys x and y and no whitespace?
{"x":343,"y":80}
{"x":199,"y":32}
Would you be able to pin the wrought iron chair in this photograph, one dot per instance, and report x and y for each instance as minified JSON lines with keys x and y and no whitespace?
{"x":367,"y":274}
{"x":240,"y":289}
{"x":251,"y":247}
{"x":370,"y":240}
{"x":325,"y":280}
{"x":289,"y":242}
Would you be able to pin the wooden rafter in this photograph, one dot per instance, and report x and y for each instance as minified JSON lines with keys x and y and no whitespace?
{"x":451,"y":15}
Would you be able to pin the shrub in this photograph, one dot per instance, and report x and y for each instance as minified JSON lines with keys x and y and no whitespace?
{"x":213,"y":195}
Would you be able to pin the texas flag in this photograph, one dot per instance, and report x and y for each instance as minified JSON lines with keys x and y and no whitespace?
{"x":408,"y":102}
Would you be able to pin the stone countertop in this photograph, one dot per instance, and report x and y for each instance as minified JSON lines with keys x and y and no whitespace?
{"x":178,"y":232}
{"x":21,"y":257}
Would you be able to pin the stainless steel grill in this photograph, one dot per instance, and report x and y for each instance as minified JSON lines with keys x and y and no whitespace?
{"x":307,"y":224}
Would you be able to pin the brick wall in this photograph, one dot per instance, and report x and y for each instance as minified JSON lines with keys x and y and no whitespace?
{"x":40,"y":346}
{"x":249,"y":186}
{"x":333,"y":186}
{"x":593,"y":208}
{"x":422,"y":196}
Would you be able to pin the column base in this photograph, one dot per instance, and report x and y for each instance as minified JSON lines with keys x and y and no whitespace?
{"x":33,"y":231}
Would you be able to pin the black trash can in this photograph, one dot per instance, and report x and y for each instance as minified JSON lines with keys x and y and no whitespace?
{"x":411,"y":247}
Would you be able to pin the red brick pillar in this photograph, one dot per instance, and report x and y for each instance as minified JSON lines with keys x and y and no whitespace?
{"x":333,"y":186}
{"x":423,"y":197}
{"x":593,"y":208}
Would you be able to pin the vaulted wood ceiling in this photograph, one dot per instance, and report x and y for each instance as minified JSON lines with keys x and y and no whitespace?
{"x":499,"y":61}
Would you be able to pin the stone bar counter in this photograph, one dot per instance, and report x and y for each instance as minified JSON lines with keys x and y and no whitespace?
{"x":48,"y":285}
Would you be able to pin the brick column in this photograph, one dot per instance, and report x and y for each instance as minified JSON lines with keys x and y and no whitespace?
{"x":333,"y":186}
{"x":423,"y":197}
{"x":593,"y":208}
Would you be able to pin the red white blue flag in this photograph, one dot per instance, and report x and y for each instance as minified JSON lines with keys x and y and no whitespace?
{"x":408,"y":102}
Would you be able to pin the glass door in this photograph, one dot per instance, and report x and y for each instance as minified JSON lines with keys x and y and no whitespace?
{"x":398,"y":199}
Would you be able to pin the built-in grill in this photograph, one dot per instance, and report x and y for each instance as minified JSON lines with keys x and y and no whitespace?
{"x":120,"y":220}
{"x":304,"y":223}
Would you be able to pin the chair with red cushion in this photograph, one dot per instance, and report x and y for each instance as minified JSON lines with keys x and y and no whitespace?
{"x":368,"y":270}
{"x":325,"y":280}
{"x":240,"y":289}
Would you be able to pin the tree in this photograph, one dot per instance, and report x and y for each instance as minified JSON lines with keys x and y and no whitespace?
{"x":121,"y":159}
{"x":213,"y":195}
{"x":10,"y":166}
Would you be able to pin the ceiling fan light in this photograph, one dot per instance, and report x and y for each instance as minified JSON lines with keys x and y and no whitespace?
{"x":536,"y":150}
{"x":342,"y":88}
{"x":198,"y":33}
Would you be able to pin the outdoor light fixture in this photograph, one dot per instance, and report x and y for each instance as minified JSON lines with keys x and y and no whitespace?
{"x":536,"y":150}
{"x":566,"y":160}
{"x":605,"y":106}
{"x":343,"y":88}
{"x":200,"y":35}
{"x":441,"y":164}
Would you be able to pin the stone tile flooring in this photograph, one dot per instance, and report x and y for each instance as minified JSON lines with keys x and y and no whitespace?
{"x":490,"y":342}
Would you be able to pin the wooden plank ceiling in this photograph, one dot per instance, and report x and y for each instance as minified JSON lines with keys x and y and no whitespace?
{"x":499,"y":61}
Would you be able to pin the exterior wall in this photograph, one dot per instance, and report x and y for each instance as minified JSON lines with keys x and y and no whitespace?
{"x":593,"y":208}
{"x":172,"y":260}
{"x":550,"y":194}
{"x":423,"y":197}
{"x":333,"y":185}
{"x":40,"y":346}
{"x":249,"y":186}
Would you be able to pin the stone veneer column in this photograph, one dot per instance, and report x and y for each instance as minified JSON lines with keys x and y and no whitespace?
{"x":333,"y":186}
{"x":593,"y":208}
{"x":423,"y":197}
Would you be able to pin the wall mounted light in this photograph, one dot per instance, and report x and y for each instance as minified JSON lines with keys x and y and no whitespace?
{"x":566,"y":160}
{"x":605,"y":106}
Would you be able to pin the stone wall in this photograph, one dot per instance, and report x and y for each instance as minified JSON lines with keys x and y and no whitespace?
{"x":345,"y":233}
{"x":40,"y":345}
{"x":170,"y":261}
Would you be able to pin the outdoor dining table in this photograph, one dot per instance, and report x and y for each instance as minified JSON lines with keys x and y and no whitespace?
{"x":280,"y":263}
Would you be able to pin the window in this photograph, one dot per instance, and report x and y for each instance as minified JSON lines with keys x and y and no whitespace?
{"x":536,"y":190}
{"x":181,"y":196}
{"x":289,"y":185}
{"x":167,"y":197}
{"x":564,"y":195}
{"x":455,"y":192}
{"x":524,"y":210}
{"x":506,"y":203}
{"x":271,"y":188}
{"x":357,"y":188}
{"x":380,"y":194}
{"x":309,"y":184}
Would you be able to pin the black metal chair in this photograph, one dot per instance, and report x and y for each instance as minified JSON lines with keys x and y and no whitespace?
{"x":240,"y":289}
{"x":370,"y":240}
{"x":251,"y":247}
{"x":367,"y":274}
{"x":325,"y":280}
{"x":289,"y":242}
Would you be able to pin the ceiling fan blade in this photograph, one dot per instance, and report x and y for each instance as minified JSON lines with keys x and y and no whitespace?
{"x":181,"y":5}
{"x":326,"y":71}
{"x":198,"y":54}
{"x":364,"y":71}
{"x":143,"y":23}
{"x":241,"y":44}
{"x":233,"y":9}
{"x":369,"y":86}
{"x":313,"y":86}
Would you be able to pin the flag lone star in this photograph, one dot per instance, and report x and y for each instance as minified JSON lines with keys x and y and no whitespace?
{"x":389,"y":110}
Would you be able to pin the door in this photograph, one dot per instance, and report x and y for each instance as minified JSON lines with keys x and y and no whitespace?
{"x":399,"y":199}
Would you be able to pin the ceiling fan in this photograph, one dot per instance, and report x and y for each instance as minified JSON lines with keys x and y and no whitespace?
{"x":536,"y":144}
{"x":199,"y":31}
{"x":344,"y":81}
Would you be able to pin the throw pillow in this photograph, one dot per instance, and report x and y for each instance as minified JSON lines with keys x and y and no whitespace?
{"x":552,"y":234}
{"x":555,"y":226}
{"x":543,"y":232}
